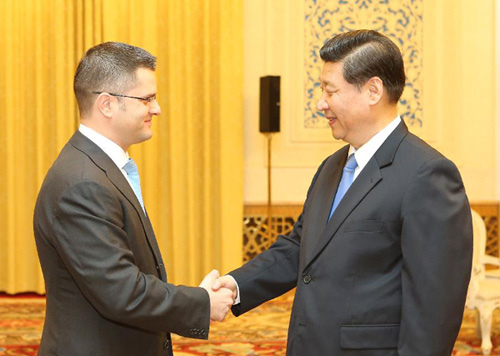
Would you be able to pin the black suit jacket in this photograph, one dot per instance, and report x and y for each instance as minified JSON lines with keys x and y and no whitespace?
{"x":388,"y":274}
{"x":107,"y":290}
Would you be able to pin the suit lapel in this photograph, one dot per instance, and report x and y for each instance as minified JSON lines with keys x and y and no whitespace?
{"x":105,"y":163}
{"x":369,"y":177}
{"x":333,"y":180}
{"x":320,"y":207}
{"x":102,"y":160}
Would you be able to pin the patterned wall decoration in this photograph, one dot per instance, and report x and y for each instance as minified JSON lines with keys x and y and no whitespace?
{"x":258,"y":234}
{"x":400,"y":20}
{"x":261,"y":227}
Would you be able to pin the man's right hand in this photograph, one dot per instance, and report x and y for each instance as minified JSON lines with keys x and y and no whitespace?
{"x":226,"y":282}
{"x":221,"y":299}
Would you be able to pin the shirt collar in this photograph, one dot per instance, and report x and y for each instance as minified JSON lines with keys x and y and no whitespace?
{"x":366,"y":152}
{"x":115,"y":152}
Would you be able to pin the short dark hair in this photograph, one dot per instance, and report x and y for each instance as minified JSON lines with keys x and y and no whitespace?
{"x":108,"y":67}
{"x":367,"y":54}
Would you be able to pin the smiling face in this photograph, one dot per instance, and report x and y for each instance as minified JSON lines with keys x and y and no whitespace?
{"x":346,"y":106}
{"x":132,"y":118}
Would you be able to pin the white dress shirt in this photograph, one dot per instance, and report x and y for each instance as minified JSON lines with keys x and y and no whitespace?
{"x":366,"y":152}
{"x":110,"y":148}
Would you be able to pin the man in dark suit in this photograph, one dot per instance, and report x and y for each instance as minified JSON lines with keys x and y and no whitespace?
{"x":384,"y":269}
{"x":107,"y":290}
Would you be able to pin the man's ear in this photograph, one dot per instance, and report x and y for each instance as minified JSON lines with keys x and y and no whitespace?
{"x":103,"y":104}
{"x":375,"y":88}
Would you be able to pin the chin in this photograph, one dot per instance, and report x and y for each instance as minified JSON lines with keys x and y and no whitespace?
{"x":336,"y":135}
{"x":145,"y":137}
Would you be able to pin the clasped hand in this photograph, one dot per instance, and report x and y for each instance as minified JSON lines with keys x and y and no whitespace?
{"x":222,"y":293}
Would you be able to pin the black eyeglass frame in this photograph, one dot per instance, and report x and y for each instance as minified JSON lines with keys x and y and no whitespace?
{"x":149,"y":99}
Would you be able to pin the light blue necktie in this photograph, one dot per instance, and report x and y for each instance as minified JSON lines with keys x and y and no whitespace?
{"x":133,"y":175}
{"x":345,"y":182}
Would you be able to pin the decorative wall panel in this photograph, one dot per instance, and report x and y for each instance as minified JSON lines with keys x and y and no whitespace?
{"x":490,"y":214}
{"x":259,"y":232}
{"x":400,"y":20}
{"x":258,"y":235}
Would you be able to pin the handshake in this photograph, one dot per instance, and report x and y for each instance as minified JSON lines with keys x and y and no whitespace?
{"x":222,"y":292}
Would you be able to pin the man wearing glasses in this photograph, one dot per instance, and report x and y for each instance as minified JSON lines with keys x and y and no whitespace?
{"x":106,"y":284}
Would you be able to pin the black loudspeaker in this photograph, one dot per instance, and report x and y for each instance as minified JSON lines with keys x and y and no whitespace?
{"x":269,"y":104}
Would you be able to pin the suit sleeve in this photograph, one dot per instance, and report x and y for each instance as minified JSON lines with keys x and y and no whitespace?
{"x":273,"y":272}
{"x":91,"y":241}
{"x":436,"y":244}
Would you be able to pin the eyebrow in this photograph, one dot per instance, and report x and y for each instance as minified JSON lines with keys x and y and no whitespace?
{"x":327,"y":84}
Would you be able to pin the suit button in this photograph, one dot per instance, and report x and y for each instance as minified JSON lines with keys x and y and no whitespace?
{"x":166,"y":344}
{"x":307,"y":279}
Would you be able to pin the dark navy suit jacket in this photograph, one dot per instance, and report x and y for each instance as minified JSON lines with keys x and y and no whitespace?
{"x":388,"y":274}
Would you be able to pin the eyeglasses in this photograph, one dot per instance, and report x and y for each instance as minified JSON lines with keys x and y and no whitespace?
{"x":149,"y":99}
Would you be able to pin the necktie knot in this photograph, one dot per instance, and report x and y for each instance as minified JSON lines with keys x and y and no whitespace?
{"x":351,"y":163}
{"x":133,"y":175}
{"x":131,"y":168}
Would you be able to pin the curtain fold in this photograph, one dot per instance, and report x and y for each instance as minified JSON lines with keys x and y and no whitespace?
{"x":191,"y":171}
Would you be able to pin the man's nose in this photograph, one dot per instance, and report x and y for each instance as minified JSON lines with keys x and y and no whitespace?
{"x":321,"y":105}
{"x":155,"y":108}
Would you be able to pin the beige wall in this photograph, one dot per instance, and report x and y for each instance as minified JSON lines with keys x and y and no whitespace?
{"x":459,"y":56}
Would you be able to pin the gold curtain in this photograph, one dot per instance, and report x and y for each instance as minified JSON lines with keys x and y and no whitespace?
{"x":191,"y":171}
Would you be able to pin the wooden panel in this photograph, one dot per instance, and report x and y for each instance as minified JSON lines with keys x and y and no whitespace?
{"x":489,"y":213}
{"x":258,"y":234}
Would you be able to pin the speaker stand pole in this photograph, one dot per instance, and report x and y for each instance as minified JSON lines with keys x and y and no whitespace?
{"x":269,"y":206}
